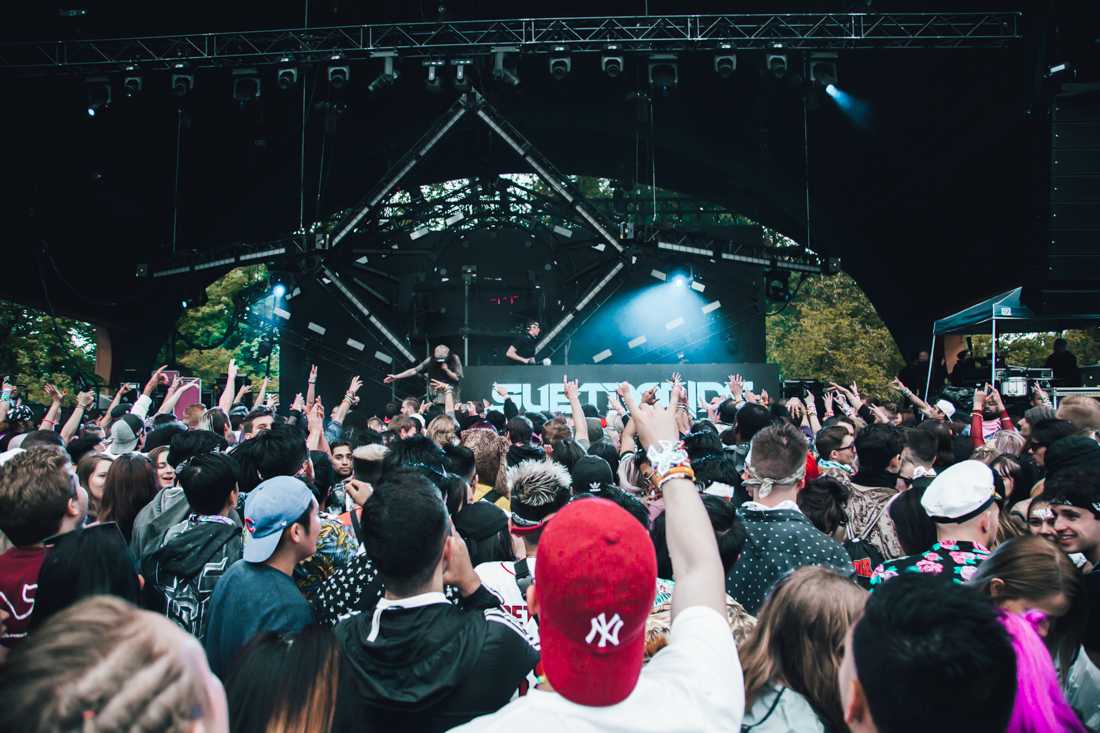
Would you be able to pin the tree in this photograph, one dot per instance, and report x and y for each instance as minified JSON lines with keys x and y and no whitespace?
{"x":830,"y":331}
{"x":235,"y":322}
{"x":36,"y":349}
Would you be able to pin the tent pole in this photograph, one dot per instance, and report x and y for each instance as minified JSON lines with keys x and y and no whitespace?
{"x":993,"y":366}
{"x":931,"y":356}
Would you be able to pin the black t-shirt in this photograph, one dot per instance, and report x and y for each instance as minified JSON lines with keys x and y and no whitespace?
{"x":525,"y":346}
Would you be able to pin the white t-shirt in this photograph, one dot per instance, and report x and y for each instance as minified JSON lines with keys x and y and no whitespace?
{"x":694,"y":684}
{"x":499,"y":578}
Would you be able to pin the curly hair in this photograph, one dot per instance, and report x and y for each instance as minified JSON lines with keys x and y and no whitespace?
{"x":35,"y":490}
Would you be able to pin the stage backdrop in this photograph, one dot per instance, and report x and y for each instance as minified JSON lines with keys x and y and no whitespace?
{"x":540,"y":388}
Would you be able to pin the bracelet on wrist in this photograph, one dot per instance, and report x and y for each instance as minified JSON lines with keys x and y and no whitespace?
{"x":682,"y":472}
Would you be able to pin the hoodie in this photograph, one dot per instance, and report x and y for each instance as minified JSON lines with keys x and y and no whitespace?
{"x":180,"y":576}
{"x":517,"y":454}
{"x":484,"y":528}
{"x":423,"y":664}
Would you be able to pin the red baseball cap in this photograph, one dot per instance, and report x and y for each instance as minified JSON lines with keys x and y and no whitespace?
{"x":597,"y":575}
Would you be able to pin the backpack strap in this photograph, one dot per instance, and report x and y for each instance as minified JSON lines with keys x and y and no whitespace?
{"x":492,"y":495}
{"x":774,"y":705}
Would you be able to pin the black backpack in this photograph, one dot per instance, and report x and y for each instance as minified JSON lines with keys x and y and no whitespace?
{"x":865,"y":556}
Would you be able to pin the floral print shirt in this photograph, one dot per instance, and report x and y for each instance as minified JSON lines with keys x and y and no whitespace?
{"x":949,"y":558}
{"x":336,"y":545}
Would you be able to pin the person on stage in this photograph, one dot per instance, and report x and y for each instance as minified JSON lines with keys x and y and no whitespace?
{"x":523,"y":349}
{"x":441,"y":367}
{"x":1064,"y":365}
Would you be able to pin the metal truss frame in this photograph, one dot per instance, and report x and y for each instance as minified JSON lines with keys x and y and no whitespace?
{"x":650,"y":33}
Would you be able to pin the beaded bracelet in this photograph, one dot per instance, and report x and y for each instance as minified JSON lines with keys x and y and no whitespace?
{"x":684,"y":472}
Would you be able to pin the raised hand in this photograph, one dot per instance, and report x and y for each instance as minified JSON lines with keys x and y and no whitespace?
{"x":155,"y":379}
{"x":272,"y":402}
{"x":316,"y":416}
{"x":995,"y":398}
{"x":389,"y":379}
{"x":649,"y":397}
{"x":979,"y":398}
{"x":764,"y":399}
{"x":299,"y":404}
{"x":84,"y":399}
{"x":313,"y":373}
{"x":737,"y":386}
{"x":613,"y":403}
{"x":355,"y":386}
{"x":571,"y":389}
{"x":231,"y":370}
{"x":827,"y":398}
{"x":54,"y":393}
{"x":503,"y":393}
{"x":653,"y":424}
{"x":795,"y":408}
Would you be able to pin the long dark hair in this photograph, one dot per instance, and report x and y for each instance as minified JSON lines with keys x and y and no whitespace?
{"x":285,"y":682}
{"x":131,"y":484}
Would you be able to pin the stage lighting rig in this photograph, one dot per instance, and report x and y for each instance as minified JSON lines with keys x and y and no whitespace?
{"x":99,"y":94}
{"x":560,"y":66}
{"x":777,"y":65}
{"x":434,"y":81}
{"x":339,"y":76}
{"x":612,"y":66}
{"x":462,"y":81}
{"x":823,"y":68}
{"x":724,"y":65}
{"x":286,"y":78}
{"x":664,"y":72}
{"x":132,"y":86}
{"x":182,"y":84}
{"x":246,"y":85}
{"x":502,"y":72}
{"x":389,"y":71}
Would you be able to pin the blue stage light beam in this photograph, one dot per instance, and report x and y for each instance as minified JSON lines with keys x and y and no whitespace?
{"x":859,"y":111}
{"x":279,"y":290}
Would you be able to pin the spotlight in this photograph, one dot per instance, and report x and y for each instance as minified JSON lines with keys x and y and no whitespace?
{"x":678,"y":281}
{"x":246,"y":85}
{"x":777,"y":284}
{"x":823,"y":68}
{"x":389,"y":73}
{"x":500,"y":71}
{"x":560,"y":67}
{"x":279,"y":290}
{"x":132,"y":86}
{"x":612,"y":66}
{"x":434,"y":82}
{"x":99,"y":94}
{"x":777,"y":65}
{"x":339,"y":76}
{"x":664,"y":72}
{"x":462,"y":82}
{"x":182,"y":84}
{"x":724,"y":65}
{"x":831,"y":90}
{"x":286,"y":78}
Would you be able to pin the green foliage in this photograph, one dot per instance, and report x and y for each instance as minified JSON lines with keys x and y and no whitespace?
{"x":36,"y":349}
{"x":242,"y":291}
{"x":831,"y":332}
{"x":1032,"y":349}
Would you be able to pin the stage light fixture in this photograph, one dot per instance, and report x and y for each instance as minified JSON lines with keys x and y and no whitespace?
{"x":339,"y":76}
{"x":389,"y":71}
{"x":823,"y":68}
{"x":132,"y":86}
{"x":664,"y":72}
{"x":560,"y":67}
{"x":678,"y":281}
{"x":434,"y":81}
{"x":182,"y":84}
{"x":777,"y":65}
{"x":279,"y":290}
{"x":777,"y":285}
{"x":286,"y":78}
{"x":246,"y":85}
{"x":500,"y":71}
{"x":658,"y":274}
{"x":612,"y":66}
{"x":462,"y":82}
{"x":99,"y":94}
{"x":724,"y":65}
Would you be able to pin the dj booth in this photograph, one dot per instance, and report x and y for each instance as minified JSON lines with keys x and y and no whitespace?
{"x":540,"y":387}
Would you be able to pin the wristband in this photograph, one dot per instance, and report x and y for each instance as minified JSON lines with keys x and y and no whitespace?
{"x":666,"y":454}
{"x":684,"y":472}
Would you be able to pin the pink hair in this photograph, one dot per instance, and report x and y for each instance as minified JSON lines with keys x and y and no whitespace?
{"x":1040,"y":706}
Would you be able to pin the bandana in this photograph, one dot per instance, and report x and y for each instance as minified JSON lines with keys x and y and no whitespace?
{"x":836,"y":465}
{"x":1094,"y":507}
{"x":765,"y":484}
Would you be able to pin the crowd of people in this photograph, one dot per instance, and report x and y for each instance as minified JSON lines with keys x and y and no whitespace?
{"x":817,"y":563}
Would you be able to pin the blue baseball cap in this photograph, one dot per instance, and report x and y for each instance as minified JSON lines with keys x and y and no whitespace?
{"x":270,"y":508}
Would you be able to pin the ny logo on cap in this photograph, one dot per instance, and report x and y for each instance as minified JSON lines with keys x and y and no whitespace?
{"x":608,"y":630}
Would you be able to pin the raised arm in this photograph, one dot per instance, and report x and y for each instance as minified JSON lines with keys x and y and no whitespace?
{"x":173,"y":396}
{"x":348,"y":401}
{"x":262,"y":396}
{"x":514,"y":355}
{"x":105,"y":418}
{"x":83,"y":402}
{"x":316,"y":421}
{"x":411,"y":371}
{"x":311,"y":387}
{"x":225,"y":402}
{"x":696,"y":565}
{"x":49,"y":421}
{"x":580,"y":422}
{"x":921,"y":405}
{"x":977,"y":440}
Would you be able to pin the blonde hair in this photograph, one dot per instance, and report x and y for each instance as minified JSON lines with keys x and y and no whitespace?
{"x":798,"y":637}
{"x":1009,"y":441}
{"x":103,"y":665}
{"x":1081,"y":410}
{"x":443,"y":430}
